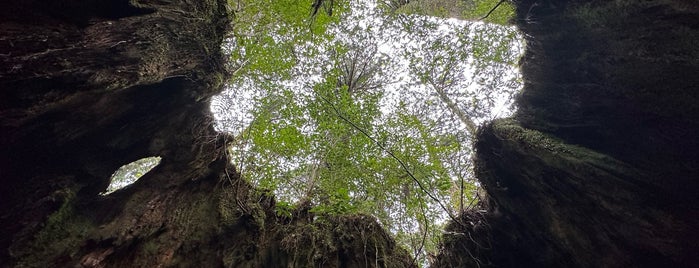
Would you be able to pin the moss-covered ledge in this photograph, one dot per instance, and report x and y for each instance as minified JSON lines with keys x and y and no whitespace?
{"x":556,"y":204}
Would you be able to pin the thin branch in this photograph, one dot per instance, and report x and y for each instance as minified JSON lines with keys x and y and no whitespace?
{"x":424,"y":234}
{"x":461,"y":200}
{"x":494,"y":8}
{"x":240,"y":67}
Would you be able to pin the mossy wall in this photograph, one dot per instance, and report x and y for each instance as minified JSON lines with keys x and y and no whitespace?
{"x":88,"y":86}
{"x":598,"y":167}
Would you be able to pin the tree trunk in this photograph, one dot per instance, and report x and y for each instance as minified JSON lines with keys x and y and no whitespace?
{"x":455,"y":109}
{"x":88,"y":86}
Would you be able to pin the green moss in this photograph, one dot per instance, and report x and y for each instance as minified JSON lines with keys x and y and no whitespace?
{"x":510,"y":129}
{"x":596,"y":15}
{"x":61,"y":234}
{"x":219,"y":80}
{"x":553,"y":150}
{"x":227,"y":209}
{"x":150,"y":247}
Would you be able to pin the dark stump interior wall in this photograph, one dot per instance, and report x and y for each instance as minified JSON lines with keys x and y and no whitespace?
{"x":599,"y":166}
{"x":88,"y":86}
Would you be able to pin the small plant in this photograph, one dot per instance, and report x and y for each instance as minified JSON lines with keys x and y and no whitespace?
{"x":284,"y":209}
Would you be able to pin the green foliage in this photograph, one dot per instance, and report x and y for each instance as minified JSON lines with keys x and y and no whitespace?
{"x":333,"y":121}
{"x":284,"y":209}
{"x":435,"y":8}
{"x":265,"y":34}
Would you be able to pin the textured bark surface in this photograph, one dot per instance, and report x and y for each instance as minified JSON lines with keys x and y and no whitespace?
{"x":599,"y":166}
{"x":88,"y":86}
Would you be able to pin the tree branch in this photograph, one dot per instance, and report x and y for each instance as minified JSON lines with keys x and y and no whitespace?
{"x":494,"y":8}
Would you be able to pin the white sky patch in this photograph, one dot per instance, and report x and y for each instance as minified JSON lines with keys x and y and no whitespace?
{"x":129,"y":173}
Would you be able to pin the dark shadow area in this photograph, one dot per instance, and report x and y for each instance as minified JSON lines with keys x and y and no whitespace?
{"x":598,"y":167}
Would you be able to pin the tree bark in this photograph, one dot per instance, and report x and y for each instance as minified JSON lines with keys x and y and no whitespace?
{"x":598,"y":167}
{"x":88,"y":86}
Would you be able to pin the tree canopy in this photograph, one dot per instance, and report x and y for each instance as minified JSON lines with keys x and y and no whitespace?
{"x":359,"y":108}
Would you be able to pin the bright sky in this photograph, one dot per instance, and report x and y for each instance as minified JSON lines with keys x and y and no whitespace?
{"x":481,"y":87}
{"x":397,"y":44}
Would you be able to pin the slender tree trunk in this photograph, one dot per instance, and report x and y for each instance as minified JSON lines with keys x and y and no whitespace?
{"x":463,"y":117}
